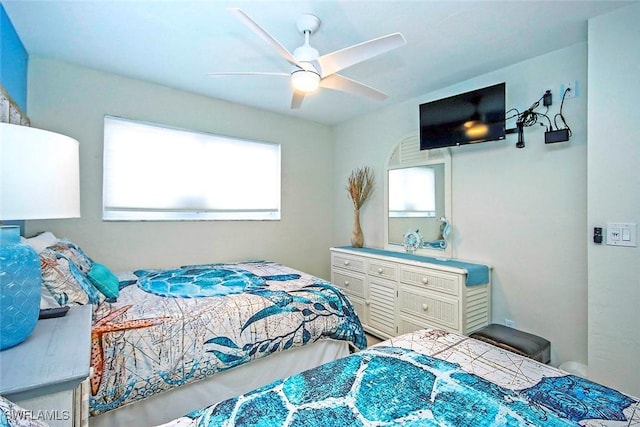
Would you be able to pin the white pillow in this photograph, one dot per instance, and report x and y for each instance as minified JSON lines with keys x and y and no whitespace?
{"x":41,"y":241}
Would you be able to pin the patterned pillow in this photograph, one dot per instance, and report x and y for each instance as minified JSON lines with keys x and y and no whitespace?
{"x":39,"y":243}
{"x":73,"y":253}
{"x":12,"y":415}
{"x":46,"y":299}
{"x":65,"y":281}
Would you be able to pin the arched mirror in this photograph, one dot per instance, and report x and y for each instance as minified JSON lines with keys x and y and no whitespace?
{"x":418,"y":212}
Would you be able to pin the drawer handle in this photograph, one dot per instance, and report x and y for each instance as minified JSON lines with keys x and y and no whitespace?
{"x":367,"y":302}
{"x":346,"y":283}
{"x":425,"y":307}
{"x":347,"y":263}
{"x":425,"y":280}
{"x":380,"y":271}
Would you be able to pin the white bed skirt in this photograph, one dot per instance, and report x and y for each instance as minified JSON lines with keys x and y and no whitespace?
{"x":173,"y":404}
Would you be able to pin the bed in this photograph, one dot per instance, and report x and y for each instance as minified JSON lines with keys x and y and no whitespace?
{"x":424,"y":378}
{"x":164,"y":338}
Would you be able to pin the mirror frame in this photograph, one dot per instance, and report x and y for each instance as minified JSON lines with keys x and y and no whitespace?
{"x":407,"y":153}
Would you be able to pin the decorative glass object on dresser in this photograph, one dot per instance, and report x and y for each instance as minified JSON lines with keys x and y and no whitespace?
{"x":418,"y":200}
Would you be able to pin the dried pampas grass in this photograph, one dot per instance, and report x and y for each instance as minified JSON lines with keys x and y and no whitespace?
{"x":360,"y":186}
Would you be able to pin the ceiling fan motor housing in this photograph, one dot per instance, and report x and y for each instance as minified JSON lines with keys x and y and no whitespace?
{"x":308,"y":23}
{"x":306,"y":53}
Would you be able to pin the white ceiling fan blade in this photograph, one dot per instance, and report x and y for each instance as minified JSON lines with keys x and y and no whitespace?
{"x":296,"y":99}
{"x":238,"y":13}
{"x":342,"y":83}
{"x":341,"y":59}
{"x":246,"y":73}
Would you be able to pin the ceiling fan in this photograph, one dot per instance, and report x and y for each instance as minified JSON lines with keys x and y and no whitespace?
{"x":310,"y":70}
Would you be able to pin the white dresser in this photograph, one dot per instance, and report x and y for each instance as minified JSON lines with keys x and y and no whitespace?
{"x":394,"y":293}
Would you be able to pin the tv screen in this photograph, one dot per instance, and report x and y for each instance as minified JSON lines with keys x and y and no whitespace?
{"x":466,"y":118}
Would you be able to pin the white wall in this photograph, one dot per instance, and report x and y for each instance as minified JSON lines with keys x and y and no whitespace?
{"x":522,"y":211}
{"x":614,"y":195}
{"x":73,"y":101}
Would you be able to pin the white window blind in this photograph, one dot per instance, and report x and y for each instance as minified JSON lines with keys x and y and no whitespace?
{"x":412,"y":192}
{"x":153,"y":172}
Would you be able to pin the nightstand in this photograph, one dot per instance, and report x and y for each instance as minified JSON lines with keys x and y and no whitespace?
{"x":43,"y":374}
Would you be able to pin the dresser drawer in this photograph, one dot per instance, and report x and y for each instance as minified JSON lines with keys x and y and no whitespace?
{"x":350,"y":283}
{"x":432,"y":280}
{"x":409,"y":324}
{"x":429,"y":306}
{"x":382,"y":269}
{"x":347,"y":262}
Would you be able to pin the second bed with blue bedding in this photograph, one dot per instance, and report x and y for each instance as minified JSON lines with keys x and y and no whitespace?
{"x":425,"y":378}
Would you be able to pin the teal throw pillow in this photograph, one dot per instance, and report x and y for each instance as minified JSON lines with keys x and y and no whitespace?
{"x":103,"y":279}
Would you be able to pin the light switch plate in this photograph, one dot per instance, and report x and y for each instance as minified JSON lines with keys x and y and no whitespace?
{"x":621,"y":234}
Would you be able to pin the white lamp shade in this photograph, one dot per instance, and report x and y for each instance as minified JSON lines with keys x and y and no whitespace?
{"x":39,"y":174}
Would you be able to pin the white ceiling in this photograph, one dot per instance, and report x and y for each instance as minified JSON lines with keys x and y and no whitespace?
{"x":176,"y":42}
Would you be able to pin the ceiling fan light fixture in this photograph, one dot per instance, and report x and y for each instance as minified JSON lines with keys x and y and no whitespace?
{"x":305,"y":81}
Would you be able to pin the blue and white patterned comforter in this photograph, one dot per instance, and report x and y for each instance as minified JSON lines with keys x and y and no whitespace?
{"x":426,"y":378}
{"x":176,"y":326}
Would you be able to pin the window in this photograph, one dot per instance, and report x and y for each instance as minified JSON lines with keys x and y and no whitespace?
{"x":412,"y":192}
{"x":154,"y":172}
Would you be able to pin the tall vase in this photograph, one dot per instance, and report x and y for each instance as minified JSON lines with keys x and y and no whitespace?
{"x":20,"y":281}
{"x":357,"y":238}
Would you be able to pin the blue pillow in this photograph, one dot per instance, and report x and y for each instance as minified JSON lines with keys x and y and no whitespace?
{"x":103,"y":279}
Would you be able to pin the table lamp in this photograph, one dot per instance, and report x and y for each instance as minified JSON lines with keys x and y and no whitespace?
{"x":39,"y":179}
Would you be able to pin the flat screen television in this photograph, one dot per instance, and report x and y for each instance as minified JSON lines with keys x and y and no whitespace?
{"x":466,"y":118}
